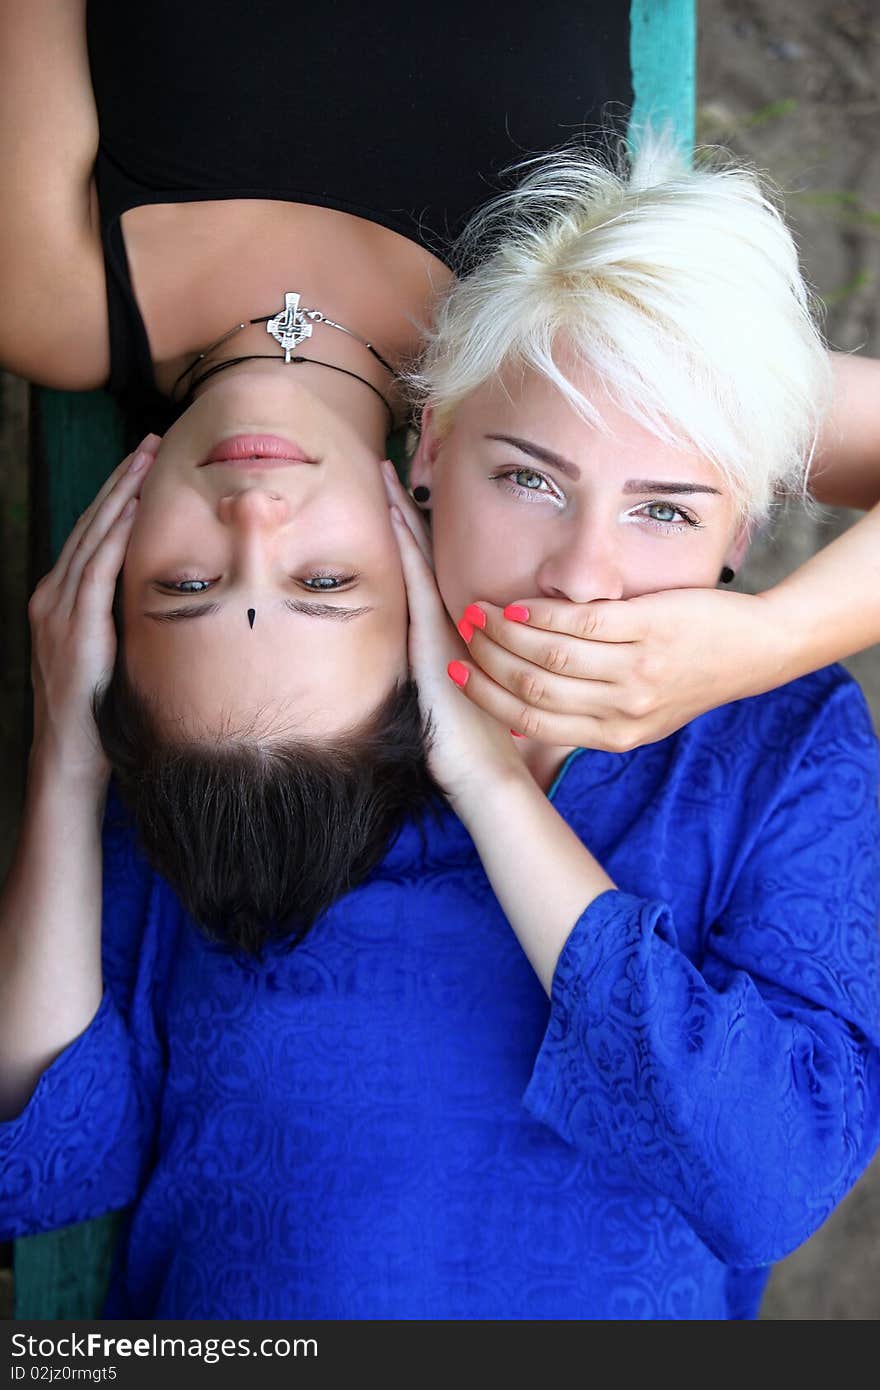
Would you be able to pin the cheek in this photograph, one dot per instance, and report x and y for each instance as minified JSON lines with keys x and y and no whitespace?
{"x":355,"y":531}
{"x":164,"y":525}
{"x":349,"y":517}
{"x":651,"y":563}
{"x":167,"y":510}
{"x":475,"y":554}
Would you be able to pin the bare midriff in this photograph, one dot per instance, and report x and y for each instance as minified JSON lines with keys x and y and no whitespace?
{"x":198,"y":268}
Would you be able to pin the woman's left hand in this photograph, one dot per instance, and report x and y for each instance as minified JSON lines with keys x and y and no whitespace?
{"x":467,"y":746}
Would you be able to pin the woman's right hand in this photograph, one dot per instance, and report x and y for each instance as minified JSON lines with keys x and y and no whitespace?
{"x":73,"y":639}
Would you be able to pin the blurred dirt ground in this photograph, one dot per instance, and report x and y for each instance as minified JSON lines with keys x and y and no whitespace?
{"x":794,"y":86}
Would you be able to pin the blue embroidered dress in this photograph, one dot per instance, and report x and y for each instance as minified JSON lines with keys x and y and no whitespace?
{"x":393,"y":1121}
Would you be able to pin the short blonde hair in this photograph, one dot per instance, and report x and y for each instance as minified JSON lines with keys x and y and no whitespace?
{"x":678,"y":286}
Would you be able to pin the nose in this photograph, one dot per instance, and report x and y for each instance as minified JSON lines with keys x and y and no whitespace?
{"x":585,"y":564}
{"x":253,"y":509}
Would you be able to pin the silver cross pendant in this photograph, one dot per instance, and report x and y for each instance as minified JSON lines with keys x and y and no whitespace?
{"x":289,"y":328}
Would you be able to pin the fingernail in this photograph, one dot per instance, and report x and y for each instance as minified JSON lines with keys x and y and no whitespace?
{"x":140,"y":460}
{"x":475,"y":615}
{"x":516,"y":613}
{"x":458,"y":672}
{"x":466,"y":629}
{"x":516,"y":735}
{"x":129,"y":507}
{"x":396,"y":515}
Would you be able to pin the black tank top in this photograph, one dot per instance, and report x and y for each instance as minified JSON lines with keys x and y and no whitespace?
{"x":400,"y":113}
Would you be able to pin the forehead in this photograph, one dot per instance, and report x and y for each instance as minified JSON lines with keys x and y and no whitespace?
{"x":290,"y":674}
{"x":523,"y":403}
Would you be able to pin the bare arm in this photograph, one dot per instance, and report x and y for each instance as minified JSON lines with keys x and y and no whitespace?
{"x":847,"y":470}
{"x":541,"y":873}
{"x":833,"y":601}
{"x":53,"y":329}
{"x":50,"y":930}
{"x":830,"y":607}
{"x":543,"y":876}
{"x":50,"y":907}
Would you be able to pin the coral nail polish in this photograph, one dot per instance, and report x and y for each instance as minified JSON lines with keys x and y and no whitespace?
{"x":457,"y":671}
{"x":475,"y":615}
{"x":516,"y":735}
{"x":466,"y":629}
{"x":516,"y":613}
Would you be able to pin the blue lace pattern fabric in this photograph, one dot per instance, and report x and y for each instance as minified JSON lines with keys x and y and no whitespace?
{"x":392,"y":1121}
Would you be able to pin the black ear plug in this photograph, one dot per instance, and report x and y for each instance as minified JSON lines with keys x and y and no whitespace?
{"x":421,"y":494}
{"x":252,"y":613}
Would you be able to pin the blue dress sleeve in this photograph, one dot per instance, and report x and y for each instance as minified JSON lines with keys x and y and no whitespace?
{"x":744,"y":1087}
{"x":82,"y":1143}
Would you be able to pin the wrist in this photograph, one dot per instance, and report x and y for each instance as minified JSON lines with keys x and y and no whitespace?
{"x":51,"y":773}
{"x":487,"y":792}
{"x":789,"y":637}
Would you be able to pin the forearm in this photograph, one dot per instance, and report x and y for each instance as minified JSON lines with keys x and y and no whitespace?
{"x":847,"y":468}
{"x":543,"y":876}
{"x":50,"y":931}
{"x":830,"y":607}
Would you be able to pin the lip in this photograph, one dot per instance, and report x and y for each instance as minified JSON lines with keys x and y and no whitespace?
{"x":256,"y":451}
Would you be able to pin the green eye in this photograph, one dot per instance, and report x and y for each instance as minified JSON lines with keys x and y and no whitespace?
{"x":527,"y":478}
{"x":519,"y":480}
{"x":667,"y":515}
{"x":662,"y":511}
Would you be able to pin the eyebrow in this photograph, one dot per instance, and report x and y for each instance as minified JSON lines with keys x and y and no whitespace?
{"x":634,"y":485}
{"x":295,"y":605}
{"x":673,"y":489}
{"x":537,"y":451}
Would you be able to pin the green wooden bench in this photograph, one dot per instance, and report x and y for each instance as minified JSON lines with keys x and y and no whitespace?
{"x":78,"y":438}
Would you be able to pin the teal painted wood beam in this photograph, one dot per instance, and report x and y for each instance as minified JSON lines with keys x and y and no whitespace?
{"x":663,"y":53}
